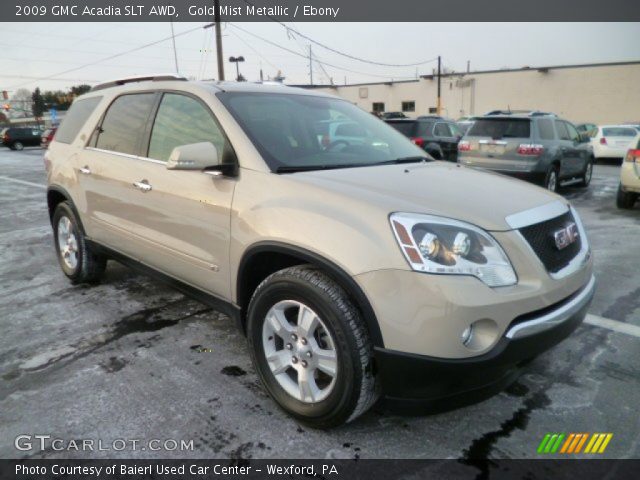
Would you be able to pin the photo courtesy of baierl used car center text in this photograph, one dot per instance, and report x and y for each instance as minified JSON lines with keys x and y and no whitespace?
{"x":293,"y":239}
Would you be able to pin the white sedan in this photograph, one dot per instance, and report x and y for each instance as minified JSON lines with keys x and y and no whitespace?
{"x":613,"y":141}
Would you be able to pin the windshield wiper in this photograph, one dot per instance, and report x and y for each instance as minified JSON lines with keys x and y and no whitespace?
{"x":414,"y":159}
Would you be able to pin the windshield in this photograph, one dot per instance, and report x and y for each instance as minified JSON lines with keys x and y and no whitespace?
{"x":497,"y":128}
{"x":309,"y":132}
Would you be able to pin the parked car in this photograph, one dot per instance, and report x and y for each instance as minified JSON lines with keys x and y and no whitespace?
{"x":635,"y":125}
{"x":587,"y":129}
{"x":613,"y":141}
{"x":629,"y":188}
{"x":354,"y":272}
{"x":437,"y":136}
{"x":389,"y":115}
{"x":47,"y":137}
{"x":542,"y":149}
{"x":16,"y":138}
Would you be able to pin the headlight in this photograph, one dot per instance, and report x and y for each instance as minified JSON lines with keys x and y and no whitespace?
{"x":450,"y":247}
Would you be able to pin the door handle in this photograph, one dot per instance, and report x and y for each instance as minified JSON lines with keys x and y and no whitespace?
{"x":142,"y":185}
{"x":85,"y":170}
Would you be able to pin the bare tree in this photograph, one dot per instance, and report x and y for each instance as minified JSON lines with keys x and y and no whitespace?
{"x":20,"y":103}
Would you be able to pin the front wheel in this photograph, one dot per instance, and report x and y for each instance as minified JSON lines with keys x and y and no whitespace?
{"x":311,"y":348}
{"x":77,"y":260}
{"x":18,"y":146}
{"x":625,"y":200}
{"x":552,"y":183}
{"x":586,"y":176}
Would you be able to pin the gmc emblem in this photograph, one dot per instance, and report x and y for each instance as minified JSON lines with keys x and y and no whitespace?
{"x":566,"y":236}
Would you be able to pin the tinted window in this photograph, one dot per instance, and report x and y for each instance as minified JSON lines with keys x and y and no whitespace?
{"x":441,"y":130}
{"x":75,"y":119}
{"x":619,"y":132}
{"x":124,"y":123}
{"x":563,"y":133}
{"x":183,"y":120}
{"x":545,"y":129}
{"x":406,"y":128}
{"x":424,"y":129}
{"x":573,"y":133}
{"x":501,"y":128}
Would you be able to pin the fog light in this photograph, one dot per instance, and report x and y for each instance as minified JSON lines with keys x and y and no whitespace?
{"x":466,"y":336}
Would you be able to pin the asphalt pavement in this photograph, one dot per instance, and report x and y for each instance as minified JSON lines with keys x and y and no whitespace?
{"x":132,"y":359}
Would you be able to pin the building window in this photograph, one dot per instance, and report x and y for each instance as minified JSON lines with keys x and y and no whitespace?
{"x":363,"y":92}
{"x":378,"y":107}
{"x":433,"y":110}
{"x":409,"y":106}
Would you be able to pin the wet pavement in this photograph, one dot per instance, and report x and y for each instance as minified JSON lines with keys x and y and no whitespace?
{"x":134,"y":359}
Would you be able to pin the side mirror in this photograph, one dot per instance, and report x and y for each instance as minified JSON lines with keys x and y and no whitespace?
{"x":195,"y":156}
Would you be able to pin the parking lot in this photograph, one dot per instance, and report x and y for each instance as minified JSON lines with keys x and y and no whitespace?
{"x":133,"y":359}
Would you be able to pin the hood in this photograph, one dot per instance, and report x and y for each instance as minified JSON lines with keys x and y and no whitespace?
{"x":437,"y":188}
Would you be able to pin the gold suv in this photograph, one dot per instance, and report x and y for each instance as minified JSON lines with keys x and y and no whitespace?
{"x":356,"y":265}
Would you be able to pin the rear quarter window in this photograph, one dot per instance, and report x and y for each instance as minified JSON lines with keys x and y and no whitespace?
{"x":75,"y":119}
{"x":545,"y":129}
{"x":501,"y":128}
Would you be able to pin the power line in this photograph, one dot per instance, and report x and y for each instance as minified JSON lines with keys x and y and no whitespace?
{"x":352,"y":57}
{"x":111,"y":57}
{"x":293,"y":52}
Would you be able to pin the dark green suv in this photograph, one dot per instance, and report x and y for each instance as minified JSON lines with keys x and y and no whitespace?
{"x":540,"y":148}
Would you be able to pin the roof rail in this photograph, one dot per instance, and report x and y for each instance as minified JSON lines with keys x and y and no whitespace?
{"x":138,"y":78}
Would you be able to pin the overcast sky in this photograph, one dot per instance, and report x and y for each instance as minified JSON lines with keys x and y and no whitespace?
{"x":48,"y":54}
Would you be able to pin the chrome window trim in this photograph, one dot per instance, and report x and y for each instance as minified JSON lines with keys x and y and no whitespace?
{"x":537,"y":214}
{"x":556,"y":317}
{"x":126,"y":155}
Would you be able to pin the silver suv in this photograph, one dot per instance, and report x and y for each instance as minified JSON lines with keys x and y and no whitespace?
{"x":357,"y":269}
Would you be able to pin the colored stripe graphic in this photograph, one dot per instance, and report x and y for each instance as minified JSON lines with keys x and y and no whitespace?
{"x":572,"y":443}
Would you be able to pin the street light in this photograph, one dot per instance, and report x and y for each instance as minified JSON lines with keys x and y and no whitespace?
{"x":237,"y":60}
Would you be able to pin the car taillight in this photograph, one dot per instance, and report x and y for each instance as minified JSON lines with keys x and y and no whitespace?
{"x":633,"y":155}
{"x":603,"y":141}
{"x":418,"y":141}
{"x":7,"y":137}
{"x":530,"y":149}
{"x":464,"y":146}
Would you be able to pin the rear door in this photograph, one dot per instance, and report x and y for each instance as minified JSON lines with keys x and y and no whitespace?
{"x":570,"y":162}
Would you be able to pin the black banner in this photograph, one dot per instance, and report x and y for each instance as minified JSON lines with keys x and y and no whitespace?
{"x":248,"y":469}
{"x":318,"y":10}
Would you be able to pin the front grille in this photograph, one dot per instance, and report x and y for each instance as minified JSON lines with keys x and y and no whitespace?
{"x":540,"y":237}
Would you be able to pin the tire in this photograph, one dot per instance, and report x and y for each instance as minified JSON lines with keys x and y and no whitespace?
{"x":551,"y":181}
{"x":625,"y":200}
{"x":18,"y":146}
{"x":79,"y":263}
{"x":339,"y":327}
{"x":586,"y":176}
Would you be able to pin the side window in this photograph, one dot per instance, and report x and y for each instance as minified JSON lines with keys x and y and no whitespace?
{"x":545,"y":129}
{"x":441,"y":130}
{"x":124,"y":123}
{"x":182,"y":120}
{"x":75,"y":119}
{"x":561,"y":128}
{"x":573,"y":133}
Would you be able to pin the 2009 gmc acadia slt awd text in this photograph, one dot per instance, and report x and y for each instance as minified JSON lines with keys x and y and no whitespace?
{"x":356,"y":267}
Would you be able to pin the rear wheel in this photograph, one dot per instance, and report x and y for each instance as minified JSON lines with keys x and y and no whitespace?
{"x":78,"y":262}
{"x":18,"y":146}
{"x":552,"y":182}
{"x":311,"y":348}
{"x":624,"y":199}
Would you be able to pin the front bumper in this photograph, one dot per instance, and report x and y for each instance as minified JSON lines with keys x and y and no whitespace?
{"x":439,"y":383}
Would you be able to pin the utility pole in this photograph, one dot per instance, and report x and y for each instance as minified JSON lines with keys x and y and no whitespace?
{"x":175,"y":53}
{"x":218,"y":27}
{"x":310,"y":65}
{"x":468,"y":66}
{"x":439,"y":104}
